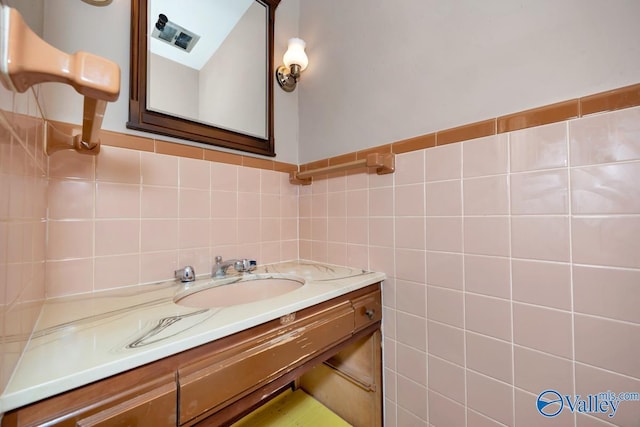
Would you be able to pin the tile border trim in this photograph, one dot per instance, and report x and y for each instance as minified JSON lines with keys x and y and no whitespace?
{"x":612,"y":100}
{"x":153,"y":145}
{"x":616,"y":99}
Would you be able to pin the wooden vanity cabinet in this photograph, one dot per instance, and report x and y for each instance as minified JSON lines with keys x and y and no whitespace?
{"x":332,"y":350}
{"x":207,"y":385}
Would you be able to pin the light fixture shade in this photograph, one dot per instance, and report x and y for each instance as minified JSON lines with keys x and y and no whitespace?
{"x":98,"y":2}
{"x":295,"y":54}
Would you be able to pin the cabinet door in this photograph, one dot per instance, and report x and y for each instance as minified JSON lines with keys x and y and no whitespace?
{"x":222,"y":379}
{"x":157,"y":407}
{"x":350,"y":383}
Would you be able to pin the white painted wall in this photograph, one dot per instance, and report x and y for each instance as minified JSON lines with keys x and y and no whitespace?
{"x":286,"y":104}
{"x":73,"y":25}
{"x":32,"y":12}
{"x":173,"y":87}
{"x":382,"y":71}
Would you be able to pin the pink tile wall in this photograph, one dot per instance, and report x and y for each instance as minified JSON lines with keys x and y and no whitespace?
{"x":127,"y":217}
{"x":505,"y":255}
{"x":513,"y":266}
{"x":22,"y":224}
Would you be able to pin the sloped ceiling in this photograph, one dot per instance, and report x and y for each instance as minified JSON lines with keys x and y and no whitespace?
{"x":212,"y":20}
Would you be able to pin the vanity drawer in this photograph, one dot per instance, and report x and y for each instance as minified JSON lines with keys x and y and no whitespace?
{"x":368,"y":309}
{"x":155,"y":408}
{"x":145,"y":397}
{"x":221,"y":379}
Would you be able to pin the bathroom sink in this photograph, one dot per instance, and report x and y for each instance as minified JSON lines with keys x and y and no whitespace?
{"x":242,"y":290}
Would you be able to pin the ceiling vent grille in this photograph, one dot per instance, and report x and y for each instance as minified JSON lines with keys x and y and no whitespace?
{"x":173,"y":34}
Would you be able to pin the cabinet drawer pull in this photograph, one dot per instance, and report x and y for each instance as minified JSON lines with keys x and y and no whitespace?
{"x":370,"y":313}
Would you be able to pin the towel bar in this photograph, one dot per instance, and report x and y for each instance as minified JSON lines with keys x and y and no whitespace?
{"x":384,"y":164}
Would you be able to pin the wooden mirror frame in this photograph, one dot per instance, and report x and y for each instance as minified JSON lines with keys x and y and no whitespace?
{"x":141,"y":118}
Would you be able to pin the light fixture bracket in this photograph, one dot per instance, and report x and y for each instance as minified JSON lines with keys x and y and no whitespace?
{"x":288,"y":77}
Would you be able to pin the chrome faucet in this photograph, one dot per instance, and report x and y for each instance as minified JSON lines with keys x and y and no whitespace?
{"x":240,"y":265}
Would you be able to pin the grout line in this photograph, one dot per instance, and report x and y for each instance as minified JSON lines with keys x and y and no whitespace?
{"x":571,"y":288}
{"x":140,"y":181}
{"x":464,"y":284}
{"x":609,"y":319}
{"x":395,"y":300}
{"x":94,"y":183}
{"x":541,"y":352}
{"x":511,"y":302}
{"x":544,"y":307}
{"x":482,"y":374}
{"x":450,"y":400}
{"x":604,"y":216}
{"x":604,"y":164}
{"x":609,"y":371}
{"x":486,"y":416}
{"x":435,"y":356}
{"x":426,"y":313}
{"x":489,"y":337}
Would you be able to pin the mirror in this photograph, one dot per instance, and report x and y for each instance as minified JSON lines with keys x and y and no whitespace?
{"x":202,"y":70}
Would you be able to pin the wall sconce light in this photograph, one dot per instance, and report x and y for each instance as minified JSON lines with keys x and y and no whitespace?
{"x":295,"y":61}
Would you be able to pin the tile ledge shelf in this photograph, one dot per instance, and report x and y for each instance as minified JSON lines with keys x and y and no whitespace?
{"x":611,"y":100}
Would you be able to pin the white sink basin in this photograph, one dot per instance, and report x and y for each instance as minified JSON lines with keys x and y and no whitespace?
{"x":242,"y":290}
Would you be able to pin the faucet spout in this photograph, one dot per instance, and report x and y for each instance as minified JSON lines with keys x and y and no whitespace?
{"x":240,"y":265}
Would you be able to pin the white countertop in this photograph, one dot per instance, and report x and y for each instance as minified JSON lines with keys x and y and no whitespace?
{"x":84,"y":338}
